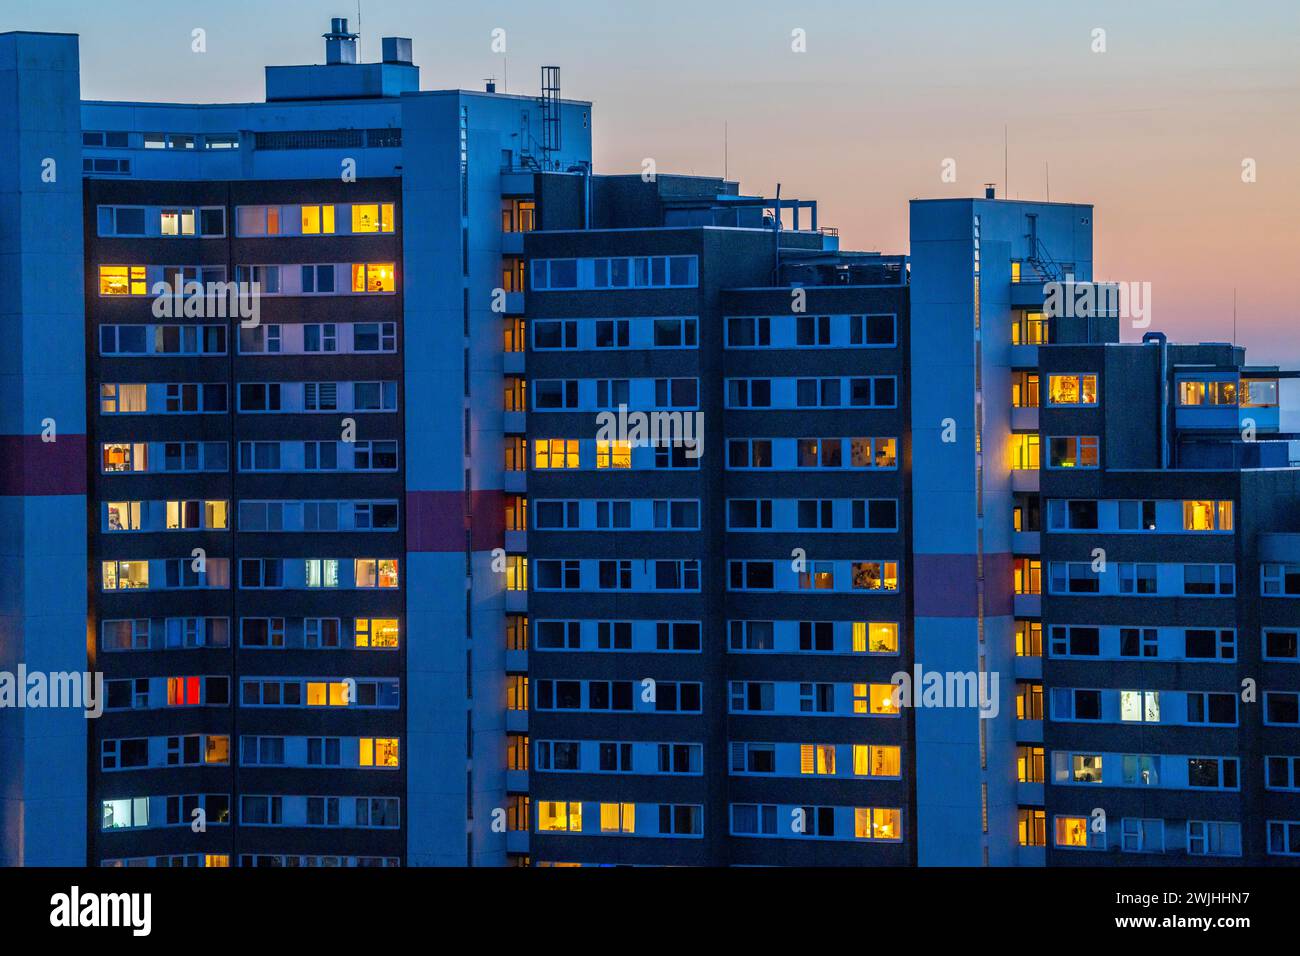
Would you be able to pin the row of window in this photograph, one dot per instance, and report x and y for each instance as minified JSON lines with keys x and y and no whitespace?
{"x":211,"y":515}
{"x":169,"y":398}
{"x":744,"y":636}
{"x":327,"y":278}
{"x":811,"y":331}
{"x":656,"y":332}
{"x":1124,"y":515}
{"x":312,"y":338}
{"x":254,"y":456}
{"x":835,"y":392}
{"x":254,"y":573}
{"x":620,"y":272}
{"x":310,"y":633}
{"x":1167,"y":771}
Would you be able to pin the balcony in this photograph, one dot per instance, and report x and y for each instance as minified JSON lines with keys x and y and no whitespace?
{"x":516,"y":542}
{"x":514,"y":303}
{"x":1027,"y":542}
{"x":1025,"y":479}
{"x":1027,"y":731}
{"x":512,"y":243}
{"x":1028,"y":605}
{"x":1029,"y":795}
{"x":517,"y":601}
{"x":516,"y":841}
{"x":514,"y":423}
{"x":516,"y":481}
{"x":1024,"y":356}
{"x":1024,"y":419}
{"x":512,"y":363}
{"x":517,"y":662}
{"x":517,"y":782}
{"x":517,"y":721}
{"x":516,"y":182}
{"x":1028,"y":855}
{"x":1029,"y":668}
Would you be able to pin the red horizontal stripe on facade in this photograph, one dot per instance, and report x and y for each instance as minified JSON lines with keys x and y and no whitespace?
{"x":436,"y":521}
{"x":944,"y":585}
{"x":30,"y":466}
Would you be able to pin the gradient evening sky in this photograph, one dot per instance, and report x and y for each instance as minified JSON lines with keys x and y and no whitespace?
{"x":1153,"y":131}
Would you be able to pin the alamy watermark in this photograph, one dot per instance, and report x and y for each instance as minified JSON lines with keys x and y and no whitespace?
{"x":657,"y":429}
{"x":968,"y":689}
{"x":1072,"y":299}
{"x":64,"y":689}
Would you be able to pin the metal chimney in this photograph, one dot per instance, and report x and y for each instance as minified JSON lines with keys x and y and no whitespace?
{"x":340,"y":45}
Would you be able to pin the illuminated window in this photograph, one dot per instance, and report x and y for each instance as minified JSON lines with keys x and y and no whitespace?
{"x":1025,"y":452}
{"x":874,"y":699}
{"x":317,"y":220}
{"x":123,"y":516}
{"x":877,"y":823}
{"x":1029,"y":638}
{"x":613,"y":454}
{"x":1028,"y":574}
{"x":1030,"y":766}
{"x":376,"y":572}
{"x":372,"y":217}
{"x":1071,"y":831}
{"x":376,"y":632}
{"x":875,"y":637}
{"x":817,"y":759}
{"x":122,"y":399}
{"x":125,"y":457}
{"x":374,"y":277}
{"x":614,"y":817}
{"x":1029,"y":329}
{"x":819,"y":577}
{"x":516,"y":572}
{"x":1259,"y":393}
{"x":1207,"y":515}
{"x":123,"y":280}
{"x":125,"y":575}
{"x":873,"y":761}
{"x":875,"y":575}
{"x":378,"y":752}
{"x":322,"y":572}
{"x":1072,"y":389}
{"x":516,"y":692}
{"x":1015,"y":270}
{"x":183,"y":692}
{"x":217,"y":749}
{"x":1024,"y":389}
{"x":555,"y":453}
{"x":1140,"y":706}
{"x":326,"y":694}
{"x":1032,"y":828}
{"x":559,"y":815}
{"x":216,"y":859}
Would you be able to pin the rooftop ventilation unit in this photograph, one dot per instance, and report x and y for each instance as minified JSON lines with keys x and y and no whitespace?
{"x":340,"y":45}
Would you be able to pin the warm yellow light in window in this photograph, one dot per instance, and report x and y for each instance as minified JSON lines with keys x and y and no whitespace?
{"x":618,"y":817}
{"x":555,"y":453}
{"x":1025,"y":452}
{"x":1225,"y":515}
{"x":216,"y":859}
{"x":122,"y":280}
{"x":217,"y":749}
{"x":613,"y":454}
{"x":374,"y":277}
{"x":317,"y":220}
{"x":559,"y":815}
{"x":376,"y":632}
{"x":1072,"y":831}
{"x":387,"y":218}
{"x":378,"y":752}
{"x":365,"y":217}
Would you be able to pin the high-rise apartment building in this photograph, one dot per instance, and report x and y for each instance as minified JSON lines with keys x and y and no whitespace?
{"x":426,"y":499}
{"x":287,"y":572}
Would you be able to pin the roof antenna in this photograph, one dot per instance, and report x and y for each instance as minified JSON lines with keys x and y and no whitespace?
{"x":1047,"y":171}
{"x":725,"y":154}
{"x":1006,"y":164}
